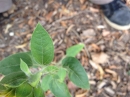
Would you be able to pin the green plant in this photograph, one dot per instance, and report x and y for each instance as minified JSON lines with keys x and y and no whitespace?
{"x":19,"y":81}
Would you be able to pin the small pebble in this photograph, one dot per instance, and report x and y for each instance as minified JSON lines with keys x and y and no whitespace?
{"x":11,"y":34}
{"x":89,"y":32}
{"x":109,"y":91}
{"x":102,"y":84}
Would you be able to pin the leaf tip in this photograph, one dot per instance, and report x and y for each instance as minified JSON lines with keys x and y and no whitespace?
{"x":39,"y":24}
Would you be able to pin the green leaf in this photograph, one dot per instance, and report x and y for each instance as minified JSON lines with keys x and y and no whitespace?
{"x":24,"y":90}
{"x":2,"y":88}
{"x":59,"y":89}
{"x":24,"y":68}
{"x":35,"y":79}
{"x":128,"y":72}
{"x":38,"y":92}
{"x":74,"y":50}
{"x":42,"y":47}
{"x":12,"y":63}
{"x":51,"y":69}
{"x":30,"y":95}
{"x":14,"y":79}
{"x":62,"y":74}
{"x":34,"y":63}
{"x":11,"y":93}
{"x":45,"y":82}
{"x":77,"y":74}
{"x":4,"y":91}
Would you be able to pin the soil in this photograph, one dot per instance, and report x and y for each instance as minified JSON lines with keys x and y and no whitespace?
{"x":106,"y":56}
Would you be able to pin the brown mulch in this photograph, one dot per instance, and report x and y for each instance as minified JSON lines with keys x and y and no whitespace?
{"x":106,"y":56}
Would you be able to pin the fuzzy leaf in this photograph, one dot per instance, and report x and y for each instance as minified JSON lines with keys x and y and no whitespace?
{"x":11,"y":93}
{"x":42,"y":47}
{"x":77,"y":74}
{"x":45,"y":82}
{"x":59,"y":89}
{"x":14,"y":79}
{"x":35,"y":79}
{"x":24,"y":68}
{"x":62,"y":74}
{"x":38,"y":92}
{"x":12,"y":63}
{"x":24,"y":90}
{"x":74,"y":50}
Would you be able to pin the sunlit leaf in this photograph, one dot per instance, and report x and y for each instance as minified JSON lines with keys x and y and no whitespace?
{"x":14,"y":79}
{"x":42,"y":47}
{"x":77,"y":74}
{"x":51,"y":68}
{"x":62,"y":74}
{"x":74,"y":50}
{"x":35,"y":79}
{"x":38,"y":92}
{"x":24,"y":68}
{"x":24,"y":90}
{"x":12,"y":63}
{"x":45,"y":82}
{"x":11,"y":93}
{"x":59,"y":89}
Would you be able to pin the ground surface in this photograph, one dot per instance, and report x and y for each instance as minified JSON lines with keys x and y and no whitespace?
{"x":71,"y":22}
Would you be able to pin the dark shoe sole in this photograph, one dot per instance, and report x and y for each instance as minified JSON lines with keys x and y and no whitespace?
{"x":118,"y":27}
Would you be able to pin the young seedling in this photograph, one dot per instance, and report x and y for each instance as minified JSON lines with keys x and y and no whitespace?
{"x":19,"y":81}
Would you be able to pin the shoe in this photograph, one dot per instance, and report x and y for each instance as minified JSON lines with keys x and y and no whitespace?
{"x":117,"y":14}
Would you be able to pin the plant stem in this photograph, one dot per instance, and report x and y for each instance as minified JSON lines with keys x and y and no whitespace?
{"x":60,"y":61}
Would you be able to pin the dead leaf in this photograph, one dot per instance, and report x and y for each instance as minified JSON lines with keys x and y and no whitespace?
{"x":94,"y":48}
{"x":94,"y":9}
{"x":49,"y":16}
{"x":110,"y":91}
{"x":115,"y":67}
{"x":89,"y":32}
{"x":125,"y":37}
{"x":81,"y":95}
{"x":69,"y":29}
{"x":100,"y":58}
{"x":115,"y":76}
{"x":128,"y":86}
{"x":92,"y":82}
{"x":64,"y":11}
{"x":105,"y":33}
{"x":113,"y":83}
{"x":97,"y":67}
{"x":71,"y":86}
{"x":21,"y":46}
{"x":31,"y":22}
{"x":83,"y":7}
{"x":125,"y":57}
{"x":102,"y":84}
{"x":48,"y":93}
{"x":82,"y":1}
{"x":64,"y":24}
{"x":90,"y":40}
{"x":101,"y":71}
{"x":8,"y":27}
{"x":93,"y":64}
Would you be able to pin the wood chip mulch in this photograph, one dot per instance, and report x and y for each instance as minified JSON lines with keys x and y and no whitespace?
{"x":106,"y":56}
